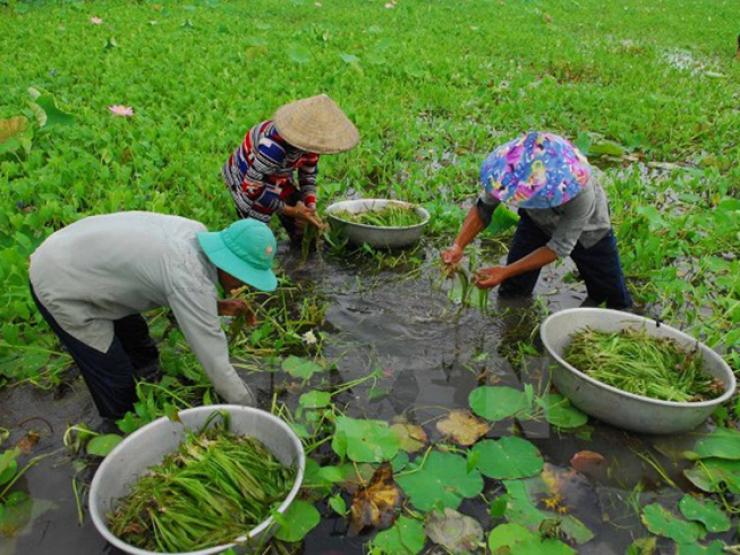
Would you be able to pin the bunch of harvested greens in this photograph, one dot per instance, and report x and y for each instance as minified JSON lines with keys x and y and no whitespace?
{"x":216,"y":487}
{"x":636,"y":362}
{"x":389,"y":216}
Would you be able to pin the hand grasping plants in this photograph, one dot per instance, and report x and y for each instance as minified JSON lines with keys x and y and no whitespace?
{"x":236,"y":308}
{"x":486,"y":278}
{"x":451,"y":258}
{"x":305,"y":214}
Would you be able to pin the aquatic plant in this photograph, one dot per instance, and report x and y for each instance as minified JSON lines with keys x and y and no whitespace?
{"x":634,"y":361}
{"x":212,"y":490}
{"x":388,"y":216}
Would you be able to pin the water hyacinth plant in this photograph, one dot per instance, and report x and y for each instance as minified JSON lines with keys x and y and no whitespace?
{"x":216,"y":487}
{"x":636,"y":362}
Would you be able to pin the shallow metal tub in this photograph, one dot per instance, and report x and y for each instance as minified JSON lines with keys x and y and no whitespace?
{"x":147,"y":447}
{"x":617,"y":407}
{"x":378,"y":237}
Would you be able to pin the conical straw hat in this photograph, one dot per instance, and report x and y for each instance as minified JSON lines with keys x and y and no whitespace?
{"x":316,"y":124}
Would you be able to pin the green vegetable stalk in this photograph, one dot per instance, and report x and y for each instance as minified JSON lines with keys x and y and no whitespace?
{"x":636,"y":362}
{"x":389,"y":216}
{"x":216,"y":487}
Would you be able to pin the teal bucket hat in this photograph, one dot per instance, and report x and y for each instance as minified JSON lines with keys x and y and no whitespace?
{"x":245,"y":250}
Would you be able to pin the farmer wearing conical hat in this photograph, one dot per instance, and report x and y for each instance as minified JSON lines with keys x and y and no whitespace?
{"x":93,"y":278}
{"x":260,"y":173}
{"x":563,"y":212}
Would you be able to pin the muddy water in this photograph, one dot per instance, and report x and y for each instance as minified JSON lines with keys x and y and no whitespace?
{"x":432,"y":354}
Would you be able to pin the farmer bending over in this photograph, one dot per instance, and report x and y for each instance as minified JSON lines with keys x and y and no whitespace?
{"x":91,"y":279}
{"x":259,"y":174}
{"x":563,"y":212}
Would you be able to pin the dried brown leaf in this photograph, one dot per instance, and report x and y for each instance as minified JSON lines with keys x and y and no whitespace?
{"x":11,"y":127}
{"x":375,"y":505}
{"x":462,"y":427}
{"x":28,"y":442}
{"x":412,"y":437}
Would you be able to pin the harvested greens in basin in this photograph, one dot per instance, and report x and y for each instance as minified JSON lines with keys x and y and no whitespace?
{"x":216,"y":487}
{"x":388,"y":216}
{"x":636,"y":362}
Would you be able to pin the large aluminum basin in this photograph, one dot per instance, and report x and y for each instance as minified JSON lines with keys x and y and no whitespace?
{"x":147,"y":447}
{"x":617,"y":407}
{"x":378,"y":237}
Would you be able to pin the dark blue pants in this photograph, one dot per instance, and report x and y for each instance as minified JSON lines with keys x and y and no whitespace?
{"x":110,"y":376}
{"x":598,"y":265}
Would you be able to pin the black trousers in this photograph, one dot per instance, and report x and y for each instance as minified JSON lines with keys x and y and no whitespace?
{"x":110,"y":376}
{"x":598,"y":265}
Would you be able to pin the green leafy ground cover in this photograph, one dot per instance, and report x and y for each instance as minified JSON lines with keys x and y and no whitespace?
{"x":642,"y":87}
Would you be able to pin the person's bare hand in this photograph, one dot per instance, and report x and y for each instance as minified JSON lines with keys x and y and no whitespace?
{"x":237,"y":307}
{"x":490,"y":277}
{"x":303,"y":212}
{"x":451,"y":258}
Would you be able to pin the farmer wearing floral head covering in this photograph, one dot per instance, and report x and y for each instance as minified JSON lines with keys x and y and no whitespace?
{"x":563,"y":212}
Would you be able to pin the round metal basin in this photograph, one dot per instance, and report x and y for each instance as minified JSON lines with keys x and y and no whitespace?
{"x":147,"y":447}
{"x":378,"y":237}
{"x":617,"y":407}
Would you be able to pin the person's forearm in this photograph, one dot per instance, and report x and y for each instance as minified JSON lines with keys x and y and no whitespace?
{"x":533,"y":261}
{"x":471,"y":227}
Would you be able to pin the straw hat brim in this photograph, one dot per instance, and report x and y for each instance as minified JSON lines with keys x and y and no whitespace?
{"x":316,"y":124}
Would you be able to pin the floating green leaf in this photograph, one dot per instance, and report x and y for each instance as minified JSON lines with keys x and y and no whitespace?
{"x":331,"y":474}
{"x":315,"y":399}
{"x":300,"y":518}
{"x":443,"y":481}
{"x":364,"y":440}
{"x":559,"y":412}
{"x":507,"y":458}
{"x":15,"y":513}
{"x":8,"y":464}
{"x":643,"y":546}
{"x":338,"y":504}
{"x":497,"y":402}
{"x":456,"y":532}
{"x":405,"y":537}
{"x":722,"y":443}
{"x":400,"y":461}
{"x":707,"y":512}
{"x":716,"y":547}
{"x":514,"y":539}
{"x":520,"y":508}
{"x":302,"y":368}
{"x":662,"y":522}
{"x":714,"y":475}
{"x":100,"y":446}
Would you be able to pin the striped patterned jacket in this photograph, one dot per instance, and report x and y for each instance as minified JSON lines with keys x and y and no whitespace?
{"x":260,"y":173}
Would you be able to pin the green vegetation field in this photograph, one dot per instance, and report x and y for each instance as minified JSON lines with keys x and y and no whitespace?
{"x":649,"y":89}
{"x":432,"y":86}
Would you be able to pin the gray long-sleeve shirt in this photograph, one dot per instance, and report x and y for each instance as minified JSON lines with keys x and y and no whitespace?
{"x":584,"y":219}
{"x":102,"y":268}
